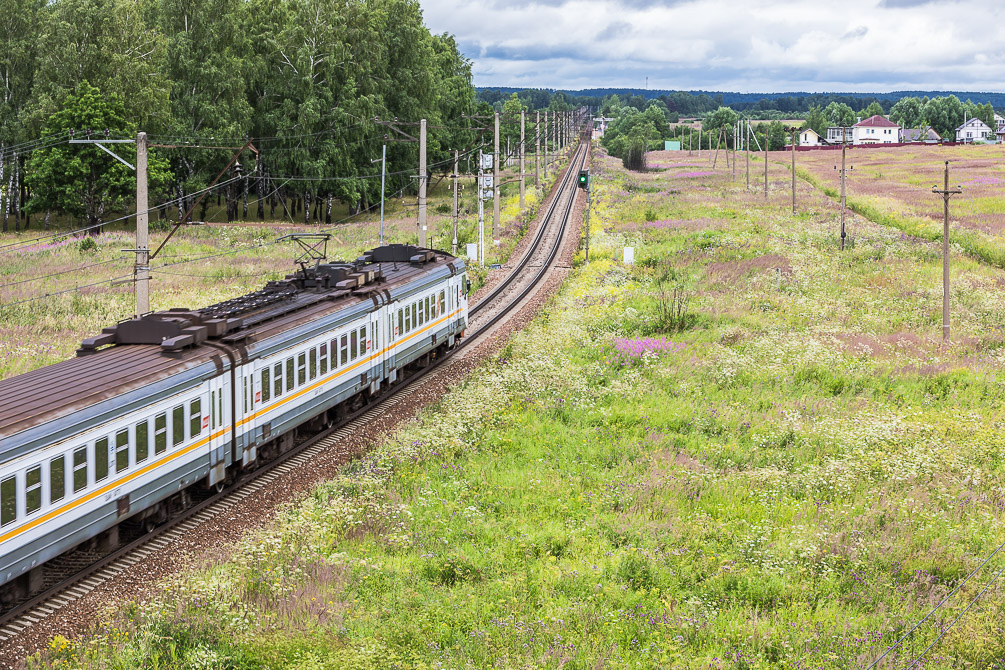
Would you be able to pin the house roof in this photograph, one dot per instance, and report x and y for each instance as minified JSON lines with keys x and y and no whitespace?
{"x":970,"y":122}
{"x":876,"y":121}
{"x":809,"y":130}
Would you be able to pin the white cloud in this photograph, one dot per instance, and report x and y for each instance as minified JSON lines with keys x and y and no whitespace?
{"x":856,"y":45}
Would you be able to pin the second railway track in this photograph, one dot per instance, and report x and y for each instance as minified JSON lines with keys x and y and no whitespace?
{"x":486,"y":316}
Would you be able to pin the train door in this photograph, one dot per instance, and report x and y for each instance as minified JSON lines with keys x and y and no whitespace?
{"x":244,"y":423}
{"x":392,"y":326}
{"x":219,"y":421}
{"x":374,"y":349}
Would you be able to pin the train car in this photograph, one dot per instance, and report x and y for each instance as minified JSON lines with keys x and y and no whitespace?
{"x":156,"y":405}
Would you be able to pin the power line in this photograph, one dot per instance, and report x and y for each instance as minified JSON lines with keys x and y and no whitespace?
{"x":953,"y":623}
{"x":57,"y":274}
{"x":936,"y":608}
{"x":4,"y":249}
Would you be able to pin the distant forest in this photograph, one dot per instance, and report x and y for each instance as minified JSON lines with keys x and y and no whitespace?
{"x":697,"y":103}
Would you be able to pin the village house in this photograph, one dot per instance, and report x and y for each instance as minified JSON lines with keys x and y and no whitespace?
{"x":926,"y":135}
{"x":809,"y":138}
{"x":836,"y":134}
{"x":974,"y":130}
{"x":876,"y":130}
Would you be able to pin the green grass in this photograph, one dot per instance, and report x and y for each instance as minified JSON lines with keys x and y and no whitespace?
{"x":796,"y":483}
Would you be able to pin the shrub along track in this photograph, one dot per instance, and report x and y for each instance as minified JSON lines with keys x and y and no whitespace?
{"x":69,"y":606}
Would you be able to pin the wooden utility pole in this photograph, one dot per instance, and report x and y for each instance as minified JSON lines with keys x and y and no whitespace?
{"x":142,"y":267}
{"x":522,"y":177}
{"x":794,"y":135}
{"x":422,"y":182}
{"x":495,"y":186}
{"x":946,"y":194}
{"x":453,"y":245}
{"x":844,"y":146}
{"x":537,"y":151}
{"x":765,"y":164}
{"x":746,"y":147}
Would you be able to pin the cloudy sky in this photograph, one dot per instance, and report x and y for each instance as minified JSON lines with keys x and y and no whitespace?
{"x":749,"y":46}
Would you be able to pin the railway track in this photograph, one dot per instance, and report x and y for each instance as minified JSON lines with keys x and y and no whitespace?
{"x":484,"y":318}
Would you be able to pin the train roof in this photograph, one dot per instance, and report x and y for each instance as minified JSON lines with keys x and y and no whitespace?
{"x":144,"y":355}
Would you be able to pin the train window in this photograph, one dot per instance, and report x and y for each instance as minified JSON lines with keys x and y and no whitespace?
{"x":142,"y":441}
{"x":8,"y":501}
{"x":415,"y":324}
{"x":79,"y":469}
{"x":301,"y":369}
{"x":57,"y":479}
{"x":245,"y":396}
{"x":401,"y":326}
{"x":408,"y":320}
{"x":277,"y":380}
{"x":160,"y":433}
{"x":344,"y":349}
{"x":33,"y":490}
{"x":289,"y":374}
{"x":213,"y":414}
{"x":101,"y":459}
{"x":353,"y":345}
{"x":422,"y":311}
{"x":194,"y":417}
{"x":362,"y":340}
{"x":427,"y":313}
{"x":177,"y":425}
{"x":441,"y":304}
{"x":219,"y":408}
{"x":122,"y":450}
{"x":324,"y":358}
{"x":314,"y":362}
{"x":266,"y":387}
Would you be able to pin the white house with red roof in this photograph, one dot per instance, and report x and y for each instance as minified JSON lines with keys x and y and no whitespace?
{"x":875,"y":130}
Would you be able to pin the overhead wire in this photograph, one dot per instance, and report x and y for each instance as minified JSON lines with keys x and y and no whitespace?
{"x":936,"y":608}
{"x":159,"y":268}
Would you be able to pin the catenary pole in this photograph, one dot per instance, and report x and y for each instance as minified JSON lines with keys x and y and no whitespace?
{"x":523,"y":138}
{"x":495,"y":186}
{"x":537,"y":151}
{"x":453,"y":244}
{"x":422,"y":183}
{"x":142,"y":268}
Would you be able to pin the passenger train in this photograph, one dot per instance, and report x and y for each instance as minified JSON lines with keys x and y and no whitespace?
{"x":156,"y":405}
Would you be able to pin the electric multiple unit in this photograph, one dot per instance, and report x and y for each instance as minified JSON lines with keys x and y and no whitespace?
{"x":158,"y":404}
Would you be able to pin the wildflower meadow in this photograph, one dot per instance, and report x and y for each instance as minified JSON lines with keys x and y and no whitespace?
{"x":791,"y":477}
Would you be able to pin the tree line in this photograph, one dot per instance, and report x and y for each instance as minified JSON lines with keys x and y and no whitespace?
{"x":303,"y":80}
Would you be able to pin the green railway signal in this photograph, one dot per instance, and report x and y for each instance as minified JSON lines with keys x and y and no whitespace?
{"x":584,"y":179}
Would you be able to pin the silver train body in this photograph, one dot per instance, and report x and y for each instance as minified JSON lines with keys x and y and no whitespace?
{"x":178,"y":399}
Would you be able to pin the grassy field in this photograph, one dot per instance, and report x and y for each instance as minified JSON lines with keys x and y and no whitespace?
{"x":893,"y":186}
{"x":748,"y":450}
{"x":236,"y":259}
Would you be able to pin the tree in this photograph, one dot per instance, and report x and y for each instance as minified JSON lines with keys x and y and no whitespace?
{"x":722,"y":118}
{"x":109,"y":44}
{"x":776,"y":136}
{"x":204,"y":46}
{"x":944,"y":114}
{"x":907,"y":112}
{"x":874,"y":109}
{"x":19,"y":21}
{"x":83,"y":180}
{"x":839,"y":114}
{"x":816,"y":120}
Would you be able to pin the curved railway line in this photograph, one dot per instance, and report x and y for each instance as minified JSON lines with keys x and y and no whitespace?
{"x":485,"y":319}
